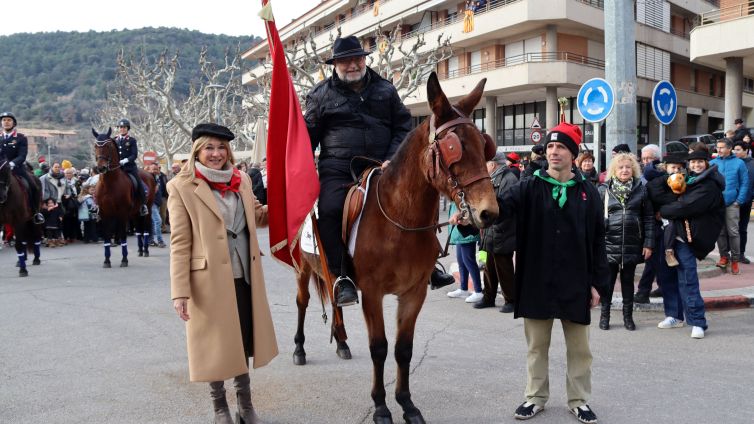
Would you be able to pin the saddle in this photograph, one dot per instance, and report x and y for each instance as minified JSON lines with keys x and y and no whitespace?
{"x":134,"y":183}
{"x":354,"y":203}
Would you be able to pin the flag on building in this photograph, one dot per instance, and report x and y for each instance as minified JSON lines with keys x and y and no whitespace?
{"x":292,"y":182}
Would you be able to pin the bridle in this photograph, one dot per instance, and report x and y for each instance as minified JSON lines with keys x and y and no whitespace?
{"x":442,"y":152}
{"x":102,"y":144}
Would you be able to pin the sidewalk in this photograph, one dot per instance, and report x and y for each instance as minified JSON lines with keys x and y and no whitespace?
{"x":720,"y":290}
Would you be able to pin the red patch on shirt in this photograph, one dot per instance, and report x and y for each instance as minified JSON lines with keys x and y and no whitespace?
{"x":583,"y":196}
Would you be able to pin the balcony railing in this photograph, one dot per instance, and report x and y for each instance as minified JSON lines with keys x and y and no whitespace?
{"x":726,"y":13}
{"x":358,"y":11}
{"x":458,"y":17}
{"x":525,"y":58}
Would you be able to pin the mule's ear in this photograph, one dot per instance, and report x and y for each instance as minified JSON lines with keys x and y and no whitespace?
{"x":469,"y":102}
{"x":94,"y":133}
{"x":109,"y":131}
{"x":438,"y":103}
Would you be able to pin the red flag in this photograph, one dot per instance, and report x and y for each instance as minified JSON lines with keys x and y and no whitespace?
{"x":292,"y":182}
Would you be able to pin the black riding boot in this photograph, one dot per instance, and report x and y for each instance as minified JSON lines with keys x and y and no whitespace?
{"x":628,"y":317}
{"x":345,"y":291}
{"x":246,"y":413}
{"x":220,"y":403}
{"x":605,"y":316}
{"x":440,"y":279}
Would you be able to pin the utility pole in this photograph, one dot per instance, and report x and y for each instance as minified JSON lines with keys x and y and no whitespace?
{"x":620,"y":72}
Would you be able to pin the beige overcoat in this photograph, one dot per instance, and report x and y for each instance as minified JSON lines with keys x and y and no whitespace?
{"x":200,"y":269}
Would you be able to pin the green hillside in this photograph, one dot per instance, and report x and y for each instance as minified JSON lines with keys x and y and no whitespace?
{"x":58,"y":79}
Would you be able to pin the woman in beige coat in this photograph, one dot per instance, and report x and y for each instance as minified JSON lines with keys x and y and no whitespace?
{"x":216,"y":277}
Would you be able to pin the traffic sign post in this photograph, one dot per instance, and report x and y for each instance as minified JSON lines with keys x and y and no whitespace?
{"x":664,"y":107}
{"x":536,"y":136}
{"x":595,"y":101}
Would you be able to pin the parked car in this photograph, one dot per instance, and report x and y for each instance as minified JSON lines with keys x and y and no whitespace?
{"x":675,"y":147}
{"x":704,"y":138}
{"x":718,"y":134}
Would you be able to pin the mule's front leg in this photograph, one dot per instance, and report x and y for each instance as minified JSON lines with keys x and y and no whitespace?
{"x":372,"y":307}
{"x":409,"y":306}
{"x":302,"y":302}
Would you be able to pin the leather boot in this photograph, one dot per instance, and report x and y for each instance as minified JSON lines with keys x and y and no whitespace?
{"x":628,"y":317}
{"x":246,"y":413}
{"x":605,"y":316}
{"x":219,"y":403}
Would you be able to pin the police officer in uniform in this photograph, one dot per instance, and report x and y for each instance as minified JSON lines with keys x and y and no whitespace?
{"x":355,"y":112}
{"x":13,"y":146}
{"x":128,"y":152}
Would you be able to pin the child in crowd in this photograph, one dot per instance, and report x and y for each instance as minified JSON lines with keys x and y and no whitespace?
{"x":53,"y":222}
{"x":87,"y":213}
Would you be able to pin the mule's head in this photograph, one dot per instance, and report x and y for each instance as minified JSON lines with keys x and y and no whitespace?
{"x":5,"y":177}
{"x":105,"y":151}
{"x":456,"y":159}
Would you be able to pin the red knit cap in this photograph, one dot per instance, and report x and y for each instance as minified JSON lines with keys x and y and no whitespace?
{"x":568,"y":134}
{"x":513,"y":157}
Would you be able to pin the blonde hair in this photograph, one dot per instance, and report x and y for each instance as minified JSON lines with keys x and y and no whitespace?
{"x":189,"y":169}
{"x":623,"y":157}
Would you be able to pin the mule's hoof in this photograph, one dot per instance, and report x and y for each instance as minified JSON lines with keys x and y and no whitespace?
{"x":146,"y":254}
{"x":36,"y":261}
{"x":415,"y":418}
{"x":382,"y":416}
{"x":299,"y":359}
{"x":141,"y":253}
{"x":123,"y":264}
{"x":344,"y":353}
{"x":106,"y":265}
{"x":23,"y":272}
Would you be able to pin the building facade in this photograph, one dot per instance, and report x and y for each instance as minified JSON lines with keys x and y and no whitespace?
{"x":534,"y":51}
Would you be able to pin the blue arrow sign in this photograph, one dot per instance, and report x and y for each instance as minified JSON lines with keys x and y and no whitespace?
{"x":595,"y":100}
{"x":664,"y":102}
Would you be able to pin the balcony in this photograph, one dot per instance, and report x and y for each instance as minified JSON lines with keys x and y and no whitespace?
{"x":733,"y":25}
{"x":525,"y":58}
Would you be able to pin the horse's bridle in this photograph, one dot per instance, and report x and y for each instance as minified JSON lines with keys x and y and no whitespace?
{"x":440,"y":155}
{"x":103,"y":143}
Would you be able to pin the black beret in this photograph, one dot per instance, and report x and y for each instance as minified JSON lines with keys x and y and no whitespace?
{"x":698,"y":154}
{"x":621,"y":148}
{"x":676,"y":157}
{"x":212,"y":130}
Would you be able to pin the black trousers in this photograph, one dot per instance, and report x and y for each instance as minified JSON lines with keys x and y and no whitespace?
{"x":651,"y":265}
{"x":90,"y":230}
{"x":626,"y":284}
{"x":243,"y":299}
{"x":499,"y":270}
{"x":139,"y":184}
{"x":332,"y":195}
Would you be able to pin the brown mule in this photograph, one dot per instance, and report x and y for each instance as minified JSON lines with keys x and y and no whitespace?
{"x":397,"y":247}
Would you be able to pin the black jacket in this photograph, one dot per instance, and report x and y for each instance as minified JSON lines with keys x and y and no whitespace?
{"x":702,"y":205}
{"x":629,"y":228}
{"x":560,"y":253}
{"x":257,"y":185}
{"x":344,"y":123}
{"x":127,"y":149}
{"x":657,"y":188}
{"x":533,"y":166}
{"x":500,"y":238}
{"x":14,"y":149}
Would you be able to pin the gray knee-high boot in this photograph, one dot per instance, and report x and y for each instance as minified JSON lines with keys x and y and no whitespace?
{"x":220,"y":403}
{"x":246,"y":413}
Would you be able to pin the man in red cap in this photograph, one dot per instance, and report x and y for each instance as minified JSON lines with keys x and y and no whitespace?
{"x":512,"y":159}
{"x":561,"y":266}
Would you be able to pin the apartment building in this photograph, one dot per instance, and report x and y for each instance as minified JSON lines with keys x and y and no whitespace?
{"x":534,"y":51}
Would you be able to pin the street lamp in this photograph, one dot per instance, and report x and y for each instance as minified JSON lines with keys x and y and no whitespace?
{"x":218,"y":119}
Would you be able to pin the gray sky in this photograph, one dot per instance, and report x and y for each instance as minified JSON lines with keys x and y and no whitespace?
{"x":231,"y":17}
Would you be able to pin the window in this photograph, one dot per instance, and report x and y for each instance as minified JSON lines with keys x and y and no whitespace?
{"x":478,"y":117}
{"x":652,"y":63}
{"x":476,"y":61}
{"x":654,"y":13}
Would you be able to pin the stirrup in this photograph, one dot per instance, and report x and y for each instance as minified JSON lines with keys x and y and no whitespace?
{"x":336,"y":286}
{"x":39,"y":218}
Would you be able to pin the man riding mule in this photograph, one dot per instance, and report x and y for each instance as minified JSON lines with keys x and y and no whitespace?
{"x":128,"y":152}
{"x":13,"y":146}
{"x":354,"y":113}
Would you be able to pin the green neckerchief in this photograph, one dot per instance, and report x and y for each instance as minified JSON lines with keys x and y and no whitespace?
{"x":558,"y":189}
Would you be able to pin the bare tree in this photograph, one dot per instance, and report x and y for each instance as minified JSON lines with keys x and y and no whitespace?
{"x":161,"y":117}
{"x":403,"y":61}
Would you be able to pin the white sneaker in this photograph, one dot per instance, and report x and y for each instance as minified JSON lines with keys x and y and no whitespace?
{"x":670,"y":322}
{"x":458,"y":293}
{"x":474,"y":298}
{"x":697,"y":333}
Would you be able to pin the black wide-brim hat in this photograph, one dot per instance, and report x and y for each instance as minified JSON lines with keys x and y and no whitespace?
{"x":697,"y":155}
{"x":676,"y":157}
{"x":212,"y":130}
{"x":346,"y":47}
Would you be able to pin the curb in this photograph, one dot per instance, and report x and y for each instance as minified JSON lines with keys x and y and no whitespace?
{"x":716,"y":303}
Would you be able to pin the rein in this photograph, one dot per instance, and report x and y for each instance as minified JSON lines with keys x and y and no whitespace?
{"x":102,"y":144}
{"x":442,"y":154}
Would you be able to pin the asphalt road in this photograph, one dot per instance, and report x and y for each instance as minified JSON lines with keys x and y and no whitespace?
{"x":82,"y":344}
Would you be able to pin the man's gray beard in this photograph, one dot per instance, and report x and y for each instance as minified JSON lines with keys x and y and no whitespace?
{"x":352,"y":82}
